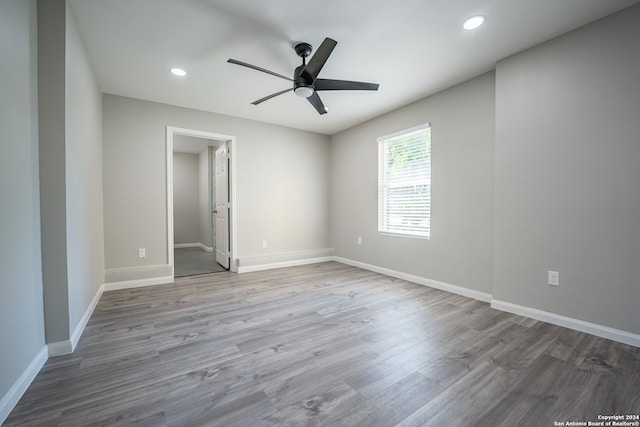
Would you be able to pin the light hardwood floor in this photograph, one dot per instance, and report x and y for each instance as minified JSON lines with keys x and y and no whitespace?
{"x":324,"y":344}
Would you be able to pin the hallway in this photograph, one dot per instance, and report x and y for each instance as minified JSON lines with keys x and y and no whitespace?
{"x":193,"y":261}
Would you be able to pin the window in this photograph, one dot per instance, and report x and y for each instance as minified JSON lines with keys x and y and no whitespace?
{"x":404,"y":182}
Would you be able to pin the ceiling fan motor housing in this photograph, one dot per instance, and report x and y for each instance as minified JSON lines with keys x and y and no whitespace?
{"x":302,"y":82}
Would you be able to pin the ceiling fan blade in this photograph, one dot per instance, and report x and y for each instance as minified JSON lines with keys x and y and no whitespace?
{"x":315,"y":100}
{"x":320,"y":57}
{"x":273,"y":95}
{"x":327,"y":84}
{"x":254,"y":67}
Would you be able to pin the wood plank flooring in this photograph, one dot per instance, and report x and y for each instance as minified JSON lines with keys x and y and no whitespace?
{"x":324,"y":345}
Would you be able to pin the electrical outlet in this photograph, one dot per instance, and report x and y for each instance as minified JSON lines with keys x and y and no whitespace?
{"x":142,"y":253}
{"x":264,"y":244}
{"x":553,"y":278}
{"x":359,"y":240}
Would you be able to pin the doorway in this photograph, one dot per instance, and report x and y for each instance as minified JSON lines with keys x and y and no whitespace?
{"x":200,"y":196}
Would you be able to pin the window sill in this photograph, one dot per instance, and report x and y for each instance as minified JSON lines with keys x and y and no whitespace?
{"x":411,"y":236}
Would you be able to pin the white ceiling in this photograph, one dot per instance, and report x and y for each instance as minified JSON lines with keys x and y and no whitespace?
{"x":412,"y":48}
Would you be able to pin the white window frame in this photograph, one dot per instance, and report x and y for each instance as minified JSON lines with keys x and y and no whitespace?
{"x":384,"y":185}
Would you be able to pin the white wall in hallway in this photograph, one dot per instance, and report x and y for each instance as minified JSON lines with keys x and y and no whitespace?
{"x":186,"y":204}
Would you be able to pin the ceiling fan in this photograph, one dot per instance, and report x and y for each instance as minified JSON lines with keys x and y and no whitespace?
{"x":305,"y":79}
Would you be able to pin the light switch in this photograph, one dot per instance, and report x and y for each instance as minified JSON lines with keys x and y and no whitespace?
{"x":553,"y":278}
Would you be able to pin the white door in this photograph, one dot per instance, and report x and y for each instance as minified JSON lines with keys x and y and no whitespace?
{"x":212,"y":196}
{"x":222,"y":207}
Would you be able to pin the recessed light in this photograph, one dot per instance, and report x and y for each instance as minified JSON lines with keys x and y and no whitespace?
{"x":473,"y":22}
{"x":178,"y":72}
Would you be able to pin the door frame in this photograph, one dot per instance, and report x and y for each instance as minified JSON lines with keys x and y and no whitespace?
{"x":231,"y":148}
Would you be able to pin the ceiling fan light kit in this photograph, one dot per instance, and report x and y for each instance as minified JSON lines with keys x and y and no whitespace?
{"x":303,"y":91}
{"x":306,"y":83}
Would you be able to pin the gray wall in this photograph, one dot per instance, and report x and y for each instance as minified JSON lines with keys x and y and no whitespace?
{"x":21,"y":306}
{"x":459,"y":251}
{"x":567,"y":195}
{"x":85,"y":229}
{"x":70,"y":119}
{"x":556,"y":187}
{"x":186,"y":215}
{"x":282,"y":182}
{"x":51,"y":103}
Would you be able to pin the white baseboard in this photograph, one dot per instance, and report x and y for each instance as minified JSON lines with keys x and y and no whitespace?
{"x":10,"y":400}
{"x":454,"y":289}
{"x":283,"y":259}
{"x":533,"y":313}
{"x":68,"y":346}
{"x":568,"y":322}
{"x":283,"y":264}
{"x":186,"y":245}
{"x":139,"y":272}
{"x":193,"y":245}
{"x":126,"y":284}
{"x":77,"y":332}
{"x":59,"y":348}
